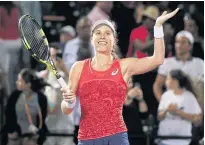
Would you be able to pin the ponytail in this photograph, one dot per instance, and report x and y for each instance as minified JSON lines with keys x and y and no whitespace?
{"x":29,"y":76}
{"x":188,"y":84}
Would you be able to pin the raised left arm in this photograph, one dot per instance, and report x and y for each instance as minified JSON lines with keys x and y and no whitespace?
{"x":138,"y":66}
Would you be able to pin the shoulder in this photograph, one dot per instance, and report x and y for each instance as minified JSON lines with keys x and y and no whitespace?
{"x":199,"y":65}
{"x":13,"y":98}
{"x":166,"y":95}
{"x":124,"y":62}
{"x":77,"y":67}
{"x":139,"y":28}
{"x":189,"y":95}
{"x":78,"y":64}
{"x":198,"y":60}
{"x":169,"y":61}
{"x":14,"y":95}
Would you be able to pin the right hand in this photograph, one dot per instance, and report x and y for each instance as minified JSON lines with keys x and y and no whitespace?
{"x":164,"y":17}
{"x":135,"y":92}
{"x":68,"y":95}
{"x":172,"y":108}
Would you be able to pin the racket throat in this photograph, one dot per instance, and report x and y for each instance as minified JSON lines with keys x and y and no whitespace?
{"x":52,"y":68}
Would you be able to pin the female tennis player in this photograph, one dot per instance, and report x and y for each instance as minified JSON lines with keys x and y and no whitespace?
{"x":101,"y":84}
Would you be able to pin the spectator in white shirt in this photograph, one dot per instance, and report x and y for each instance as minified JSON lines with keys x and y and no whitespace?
{"x":178,"y":109}
{"x":183,"y":60}
{"x":100,"y":11}
{"x":79,"y":48}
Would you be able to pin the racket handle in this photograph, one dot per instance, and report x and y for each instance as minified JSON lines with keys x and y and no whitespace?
{"x":62,"y":82}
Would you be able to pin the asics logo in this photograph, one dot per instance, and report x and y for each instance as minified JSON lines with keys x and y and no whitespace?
{"x":115,"y":72}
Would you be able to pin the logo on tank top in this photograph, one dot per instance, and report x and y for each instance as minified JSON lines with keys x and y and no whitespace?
{"x":115,"y":72}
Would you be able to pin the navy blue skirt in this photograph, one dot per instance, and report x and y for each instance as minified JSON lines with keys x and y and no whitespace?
{"x":116,"y":139}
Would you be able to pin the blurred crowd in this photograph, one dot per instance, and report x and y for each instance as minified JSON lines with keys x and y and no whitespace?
{"x":166,"y":101}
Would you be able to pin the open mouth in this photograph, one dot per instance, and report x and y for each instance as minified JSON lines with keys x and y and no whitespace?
{"x":102,"y":42}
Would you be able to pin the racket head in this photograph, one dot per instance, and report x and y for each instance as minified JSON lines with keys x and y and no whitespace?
{"x":35,"y":41}
{"x":33,"y":38}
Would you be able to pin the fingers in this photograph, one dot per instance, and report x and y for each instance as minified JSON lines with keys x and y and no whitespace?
{"x":172,"y":13}
{"x":65,"y":90}
{"x":71,"y":100}
{"x":68,"y":95}
{"x":164,"y":13}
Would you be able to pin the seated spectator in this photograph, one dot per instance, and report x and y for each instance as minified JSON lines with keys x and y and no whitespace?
{"x":134,"y":110}
{"x":178,"y":109}
{"x":26,"y":111}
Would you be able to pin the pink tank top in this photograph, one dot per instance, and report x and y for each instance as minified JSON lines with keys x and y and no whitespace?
{"x":101,"y":94}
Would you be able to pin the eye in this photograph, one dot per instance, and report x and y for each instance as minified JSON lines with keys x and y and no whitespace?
{"x":97,"y":33}
{"x":108,"y":33}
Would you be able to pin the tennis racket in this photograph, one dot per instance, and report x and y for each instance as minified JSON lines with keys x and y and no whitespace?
{"x":35,"y":41}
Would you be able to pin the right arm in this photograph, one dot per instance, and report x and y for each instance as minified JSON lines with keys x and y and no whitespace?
{"x":162,"y":108}
{"x":74,"y":77}
{"x":161,"y":114}
{"x":157,"y":87}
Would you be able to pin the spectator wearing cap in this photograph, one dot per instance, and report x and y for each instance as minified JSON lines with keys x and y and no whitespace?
{"x":141,"y":38}
{"x":67,"y":33}
{"x":141,"y":44}
{"x":183,"y":60}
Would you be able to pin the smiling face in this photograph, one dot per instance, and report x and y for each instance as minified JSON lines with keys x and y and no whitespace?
{"x":103,"y":39}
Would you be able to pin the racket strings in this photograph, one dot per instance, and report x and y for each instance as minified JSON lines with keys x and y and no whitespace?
{"x":31,"y":32}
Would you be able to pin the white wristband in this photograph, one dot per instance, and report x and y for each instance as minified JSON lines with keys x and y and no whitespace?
{"x":158,"y":32}
{"x":70,"y":106}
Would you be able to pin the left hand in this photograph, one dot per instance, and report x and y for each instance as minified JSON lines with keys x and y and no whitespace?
{"x":135,"y":92}
{"x":172,"y":107}
{"x":164,"y":17}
